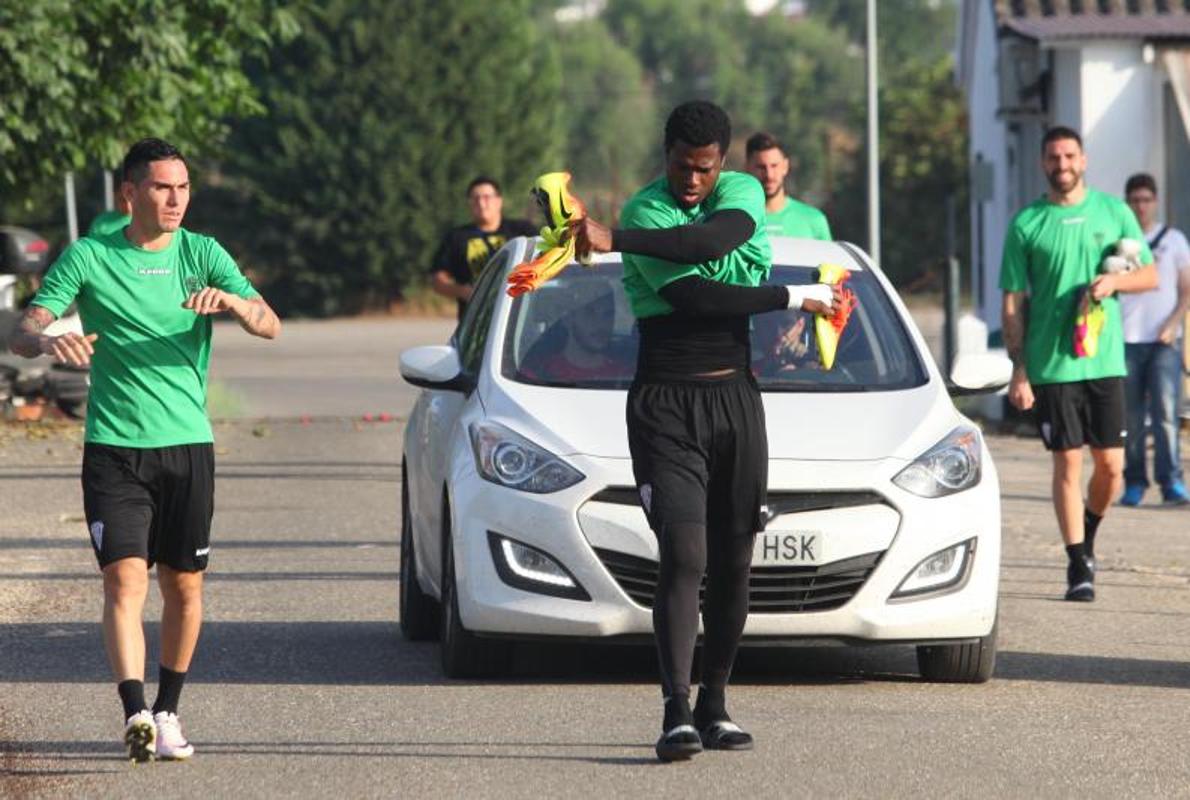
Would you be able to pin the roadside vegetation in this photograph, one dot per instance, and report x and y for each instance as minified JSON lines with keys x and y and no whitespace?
{"x":332,"y":140}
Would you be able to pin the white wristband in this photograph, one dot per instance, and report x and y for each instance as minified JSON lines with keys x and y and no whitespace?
{"x":815,"y":291}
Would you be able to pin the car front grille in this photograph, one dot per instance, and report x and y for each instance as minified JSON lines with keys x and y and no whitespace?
{"x":771,"y":590}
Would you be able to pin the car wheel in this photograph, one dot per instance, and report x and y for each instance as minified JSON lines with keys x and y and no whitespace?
{"x":959,"y":663}
{"x":464,"y":655}
{"x":75,"y":409}
{"x":419,"y":611}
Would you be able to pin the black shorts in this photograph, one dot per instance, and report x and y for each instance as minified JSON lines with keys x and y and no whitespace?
{"x":152,"y":503}
{"x":700,"y":453}
{"x":1070,"y":415}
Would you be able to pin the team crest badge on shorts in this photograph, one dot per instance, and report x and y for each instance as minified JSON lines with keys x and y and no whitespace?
{"x":97,"y":535}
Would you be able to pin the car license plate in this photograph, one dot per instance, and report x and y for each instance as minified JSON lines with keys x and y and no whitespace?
{"x":787,"y":548}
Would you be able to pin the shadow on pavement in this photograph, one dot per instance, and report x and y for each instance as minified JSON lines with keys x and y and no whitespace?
{"x":74,"y":543}
{"x":374,"y":653}
{"x":111,"y":751}
{"x":1104,"y":670}
{"x":220,"y":577}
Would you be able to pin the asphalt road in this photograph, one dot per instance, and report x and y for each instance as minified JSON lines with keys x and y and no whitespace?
{"x":303,"y":687}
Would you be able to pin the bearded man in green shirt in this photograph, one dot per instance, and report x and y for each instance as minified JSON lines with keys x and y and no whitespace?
{"x":146,"y":294}
{"x":767,"y":161}
{"x":1052,"y":257}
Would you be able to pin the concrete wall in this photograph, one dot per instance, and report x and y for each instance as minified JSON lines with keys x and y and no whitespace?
{"x":1121,"y":114}
{"x":1105,"y":90}
{"x":989,"y":143}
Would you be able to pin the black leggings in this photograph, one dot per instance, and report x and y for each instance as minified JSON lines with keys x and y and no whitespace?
{"x":686,"y":553}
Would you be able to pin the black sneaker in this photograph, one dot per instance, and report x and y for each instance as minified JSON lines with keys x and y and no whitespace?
{"x":1080,"y":581}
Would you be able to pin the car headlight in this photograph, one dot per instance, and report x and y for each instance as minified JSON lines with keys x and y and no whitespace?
{"x":943,"y":570}
{"x":525,"y":567}
{"x":511,"y":460}
{"x":950,"y":466}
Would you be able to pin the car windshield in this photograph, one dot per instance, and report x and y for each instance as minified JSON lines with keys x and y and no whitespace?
{"x":578,"y":331}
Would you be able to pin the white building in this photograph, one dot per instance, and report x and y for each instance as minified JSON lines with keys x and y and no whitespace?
{"x":1117,"y":71}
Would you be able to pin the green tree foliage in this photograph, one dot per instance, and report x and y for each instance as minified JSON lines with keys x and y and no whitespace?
{"x":380,"y":113}
{"x":377,"y":118}
{"x":923,"y":162}
{"x":80,"y":80}
{"x":613,"y":135}
{"x":690,"y":49}
{"x":812,"y":83}
{"x":923,"y":137}
{"x":796,"y":78}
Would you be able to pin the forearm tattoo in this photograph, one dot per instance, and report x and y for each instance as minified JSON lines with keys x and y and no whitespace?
{"x":25,"y":340}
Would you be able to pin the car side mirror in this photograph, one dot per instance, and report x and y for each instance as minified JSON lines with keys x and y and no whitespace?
{"x":979,"y":373}
{"x":435,"y":367}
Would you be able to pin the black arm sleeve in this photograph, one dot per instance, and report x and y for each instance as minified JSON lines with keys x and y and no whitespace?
{"x":706,"y":298}
{"x":713,"y":238}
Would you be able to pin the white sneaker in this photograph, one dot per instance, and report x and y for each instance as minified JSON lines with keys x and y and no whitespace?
{"x":140,"y":737}
{"x":171,"y":744}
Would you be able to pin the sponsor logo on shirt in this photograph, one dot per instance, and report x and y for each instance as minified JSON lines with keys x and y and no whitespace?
{"x":1074,"y":220}
{"x":148,"y":271}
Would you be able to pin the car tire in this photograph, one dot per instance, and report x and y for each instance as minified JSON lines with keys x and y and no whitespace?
{"x":959,"y":663}
{"x":419,"y":612}
{"x":75,"y":409}
{"x":464,"y":655}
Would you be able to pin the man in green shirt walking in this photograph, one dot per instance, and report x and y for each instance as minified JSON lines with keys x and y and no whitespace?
{"x":695,"y":256}
{"x":767,"y":160}
{"x":146,"y":294}
{"x":1052,"y":260}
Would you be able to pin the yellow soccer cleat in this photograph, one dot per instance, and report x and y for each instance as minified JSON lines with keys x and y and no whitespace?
{"x":828,"y":330}
{"x":556,"y":248}
{"x":1088,"y":323}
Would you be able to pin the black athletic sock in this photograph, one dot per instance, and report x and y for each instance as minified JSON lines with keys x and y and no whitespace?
{"x":169,"y":690}
{"x":1078,"y":570}
{"x":132,"y":695}
{"x":711,"y":706}
{"x":1091,"y":522}
{"x":677,"y":712}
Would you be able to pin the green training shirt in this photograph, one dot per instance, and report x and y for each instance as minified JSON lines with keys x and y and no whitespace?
{"x":108,"y":222}
{"x":654,"y":207}
{"x":1051,"y":252}
{"x":800,"y":220}
{"x":149,"y":371}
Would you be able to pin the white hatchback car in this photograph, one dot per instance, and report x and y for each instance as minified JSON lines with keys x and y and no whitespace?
{"x":520,"y":518}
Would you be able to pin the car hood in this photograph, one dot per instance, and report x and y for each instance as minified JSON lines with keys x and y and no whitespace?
{"x":852,"y":426}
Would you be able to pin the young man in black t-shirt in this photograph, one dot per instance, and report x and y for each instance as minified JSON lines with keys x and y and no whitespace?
{"x":465,"y":249}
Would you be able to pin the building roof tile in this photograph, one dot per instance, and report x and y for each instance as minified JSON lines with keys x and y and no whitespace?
{"x":1052,"y":20}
